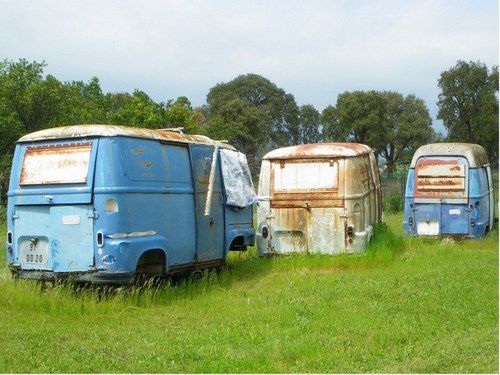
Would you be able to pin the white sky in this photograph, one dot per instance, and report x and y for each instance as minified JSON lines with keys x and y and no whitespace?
{"x":312,"y":49}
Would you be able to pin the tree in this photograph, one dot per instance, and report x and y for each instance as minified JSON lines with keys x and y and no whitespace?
{"x":468,"y":104}
{"x":136,"y":109}
{"x":309,"y":125}
{"x":393,"y":125}
{"x":359,"y":117}
{"x":83,"y":103}
{"x":333,"y":130}
{"x":407,"y":125}
{"x":35,"y":100}
{"x":253,"y":114}
{"x":180,"y":114}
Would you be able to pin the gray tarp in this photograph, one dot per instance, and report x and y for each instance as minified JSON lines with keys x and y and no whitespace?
{"x":237,"y":179}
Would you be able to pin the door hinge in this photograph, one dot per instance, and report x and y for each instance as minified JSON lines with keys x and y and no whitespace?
{"x":15,"y":216}
{"x":93,"y":215}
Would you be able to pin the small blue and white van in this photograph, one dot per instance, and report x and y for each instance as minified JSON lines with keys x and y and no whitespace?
{"x":449,"y":191}
{"x":105,"y":204}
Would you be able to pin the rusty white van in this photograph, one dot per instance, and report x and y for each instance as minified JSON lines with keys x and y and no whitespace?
{"x":318,"y":198}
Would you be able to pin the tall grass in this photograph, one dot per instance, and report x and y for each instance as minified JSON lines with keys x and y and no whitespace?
{"x":406,"y":305}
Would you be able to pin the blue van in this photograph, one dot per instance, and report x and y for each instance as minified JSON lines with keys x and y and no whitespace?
{"x":449,"y":191}
{"x":106,"y":204}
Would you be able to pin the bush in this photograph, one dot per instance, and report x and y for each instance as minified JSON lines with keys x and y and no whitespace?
{"x":3,"y":213}
{"x":393,"y":202}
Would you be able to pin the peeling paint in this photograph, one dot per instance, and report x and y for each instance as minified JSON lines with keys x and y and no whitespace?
{"x":475,"y":154}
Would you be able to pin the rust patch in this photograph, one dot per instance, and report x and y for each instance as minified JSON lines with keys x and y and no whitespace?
{"x":146,"y":163}
{"x":89,"y":130}
{"x":440,"y":178}
{"x":475,"y":154}
{"x":319,"y":150}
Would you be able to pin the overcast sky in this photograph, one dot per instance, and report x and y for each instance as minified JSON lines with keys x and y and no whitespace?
{"x":312,"y":49}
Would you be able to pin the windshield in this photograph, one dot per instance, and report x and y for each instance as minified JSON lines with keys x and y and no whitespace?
{"x":56,"y":164}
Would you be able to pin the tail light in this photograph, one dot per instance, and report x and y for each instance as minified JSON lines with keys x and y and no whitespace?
{"x":410,"y":221}
{"x":100,"y":239}
{"x":350,"y":231}
{"x":472,"y":222}
{"x":265,"y":232}
{"x":9,"y":238}
{"x":9,"y":249}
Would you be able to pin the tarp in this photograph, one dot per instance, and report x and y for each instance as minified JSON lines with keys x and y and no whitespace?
{"x":237,"y":179}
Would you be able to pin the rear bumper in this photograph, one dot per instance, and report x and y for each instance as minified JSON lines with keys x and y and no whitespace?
{"x":360,"y":240}
{"x":92,"y":277}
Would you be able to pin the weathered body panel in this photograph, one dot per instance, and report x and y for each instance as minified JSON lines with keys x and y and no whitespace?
{"x":321,"y":198}
{"x":142,"y":200}
{"x":449,"y":192}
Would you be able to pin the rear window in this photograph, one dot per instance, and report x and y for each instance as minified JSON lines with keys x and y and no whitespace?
{"x":304,"y":176}
{"x":441,"y":177}
{"x":58,"y":164}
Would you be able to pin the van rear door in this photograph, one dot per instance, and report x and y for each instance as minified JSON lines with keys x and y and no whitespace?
{"x":441,"y":196}
{"x":53,"y":210}
{"x":307,"y":206}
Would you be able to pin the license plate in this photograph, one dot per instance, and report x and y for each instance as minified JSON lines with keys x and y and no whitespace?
{"x":428,"y":228}
{"x":34,"y":251}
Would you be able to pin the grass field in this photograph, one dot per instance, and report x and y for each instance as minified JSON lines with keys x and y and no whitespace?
{"x":407,"y":305}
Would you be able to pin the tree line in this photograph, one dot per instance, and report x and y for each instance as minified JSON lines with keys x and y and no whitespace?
{"x":255,"y":115}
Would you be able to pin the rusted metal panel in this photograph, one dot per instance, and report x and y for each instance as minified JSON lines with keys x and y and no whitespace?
{"x":475,"y":154}
{"x":93,"y":130}
{"x":319,"y":150}
{"x":56,"y":164}
{"x":441,"y":177}
{"x":306,"y":201}
{"x":326,"y":230}
{"x":289,"y":230}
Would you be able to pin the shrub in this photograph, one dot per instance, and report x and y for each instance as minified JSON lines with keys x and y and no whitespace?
{"x":393,"y":202}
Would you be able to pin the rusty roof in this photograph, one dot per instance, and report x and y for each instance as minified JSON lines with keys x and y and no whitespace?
{"x":319,"y":150}
{"x":94,"y":130}
{"x":475,"y":154}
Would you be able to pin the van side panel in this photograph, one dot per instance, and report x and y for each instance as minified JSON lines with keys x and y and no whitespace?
{"x":479,"y":200}
{"x":361,"y":201}
{"x":409,"y":220}
{"x":151,"y":184}
{"x":239,"y":227}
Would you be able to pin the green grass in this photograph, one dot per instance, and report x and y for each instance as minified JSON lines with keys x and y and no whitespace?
{"x":407,"y":305}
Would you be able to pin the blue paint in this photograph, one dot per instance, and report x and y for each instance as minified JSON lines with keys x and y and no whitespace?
{"x":160,"y":190}
{"x":470,"y":217}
